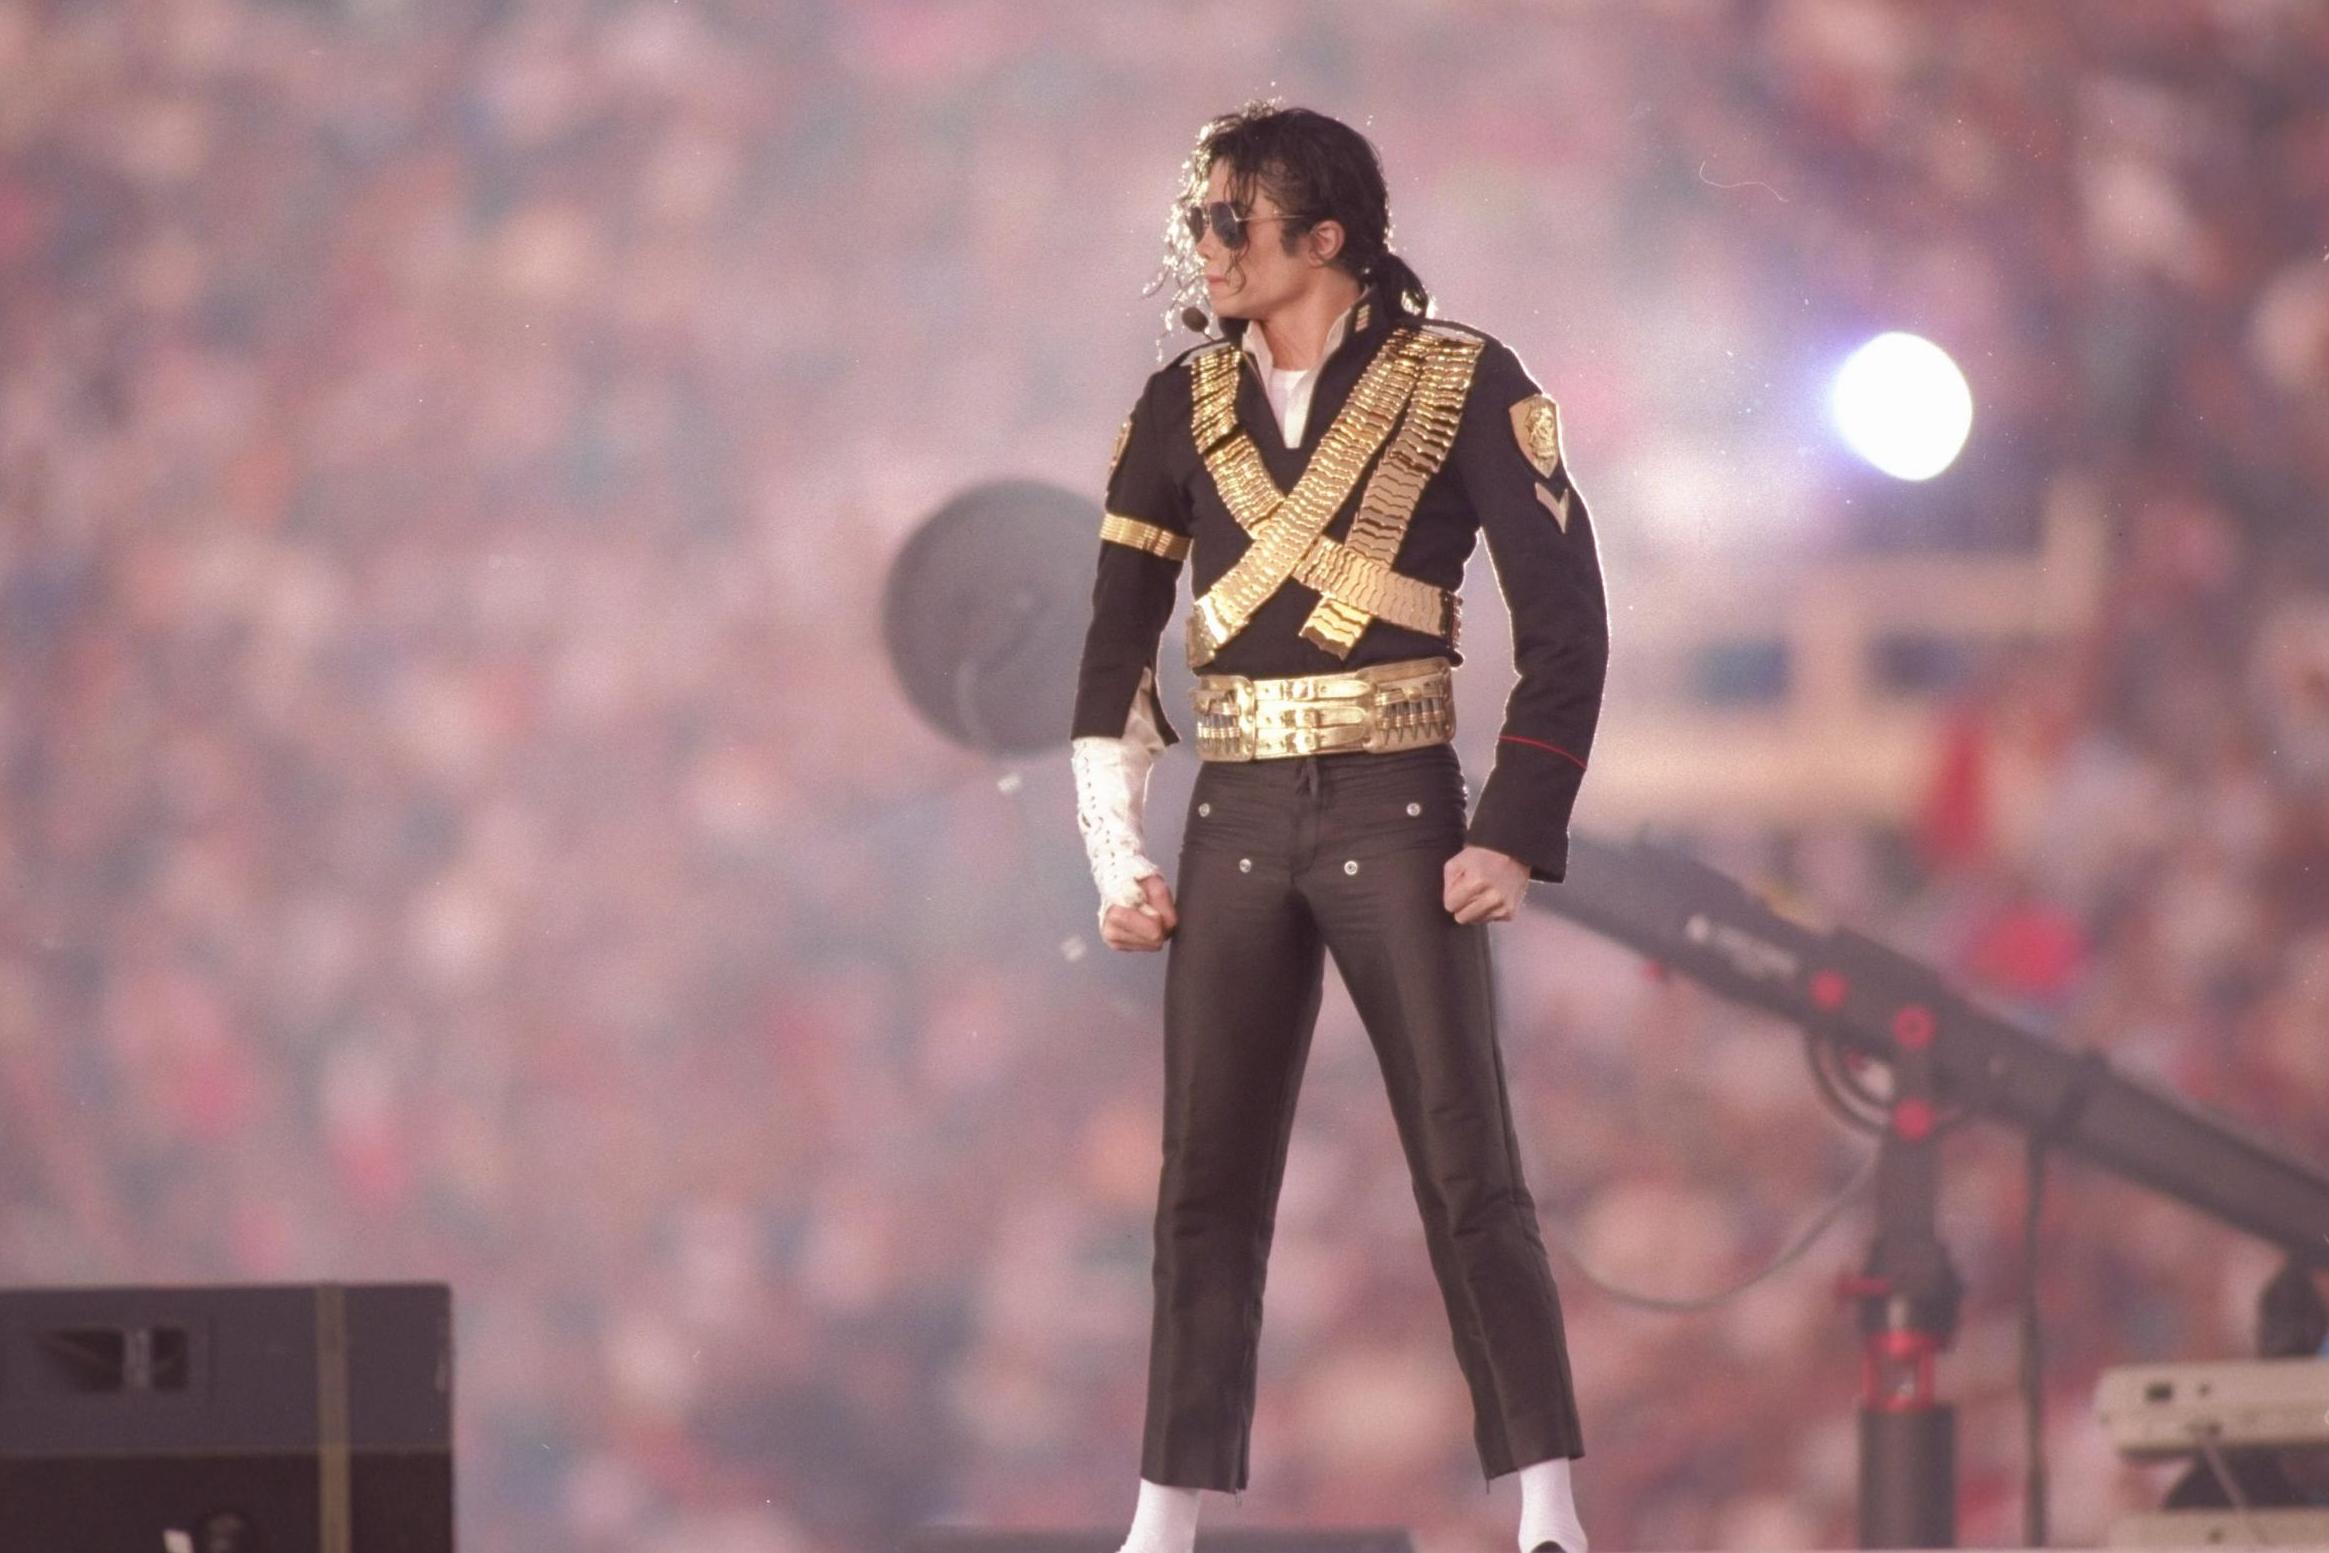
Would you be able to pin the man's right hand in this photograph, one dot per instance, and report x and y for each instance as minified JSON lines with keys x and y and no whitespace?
{"x":1142,"y":927}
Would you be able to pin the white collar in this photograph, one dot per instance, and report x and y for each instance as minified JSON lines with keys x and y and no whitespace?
{"x":1258,"y":347}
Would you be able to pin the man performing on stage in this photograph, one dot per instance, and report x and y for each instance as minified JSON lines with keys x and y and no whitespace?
{"x":1325,"y":470}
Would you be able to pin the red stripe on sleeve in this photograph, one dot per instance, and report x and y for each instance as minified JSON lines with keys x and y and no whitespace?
{"x":1542,"y":745}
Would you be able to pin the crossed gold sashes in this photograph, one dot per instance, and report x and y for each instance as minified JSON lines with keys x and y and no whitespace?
{"x":1416,"y":384}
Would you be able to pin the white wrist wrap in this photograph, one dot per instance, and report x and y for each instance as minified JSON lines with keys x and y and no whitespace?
{"x":1111,"y":795}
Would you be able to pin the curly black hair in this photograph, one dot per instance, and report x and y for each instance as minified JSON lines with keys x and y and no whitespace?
{"x":1317,"y":168}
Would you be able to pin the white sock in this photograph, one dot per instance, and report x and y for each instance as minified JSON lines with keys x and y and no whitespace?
{"x":1548,"y":1511}
{"x":1165,"y":1520}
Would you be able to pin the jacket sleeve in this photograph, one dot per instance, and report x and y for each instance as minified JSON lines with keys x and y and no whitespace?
{"x":1144,"y":536}
{"x":1540,"y":537}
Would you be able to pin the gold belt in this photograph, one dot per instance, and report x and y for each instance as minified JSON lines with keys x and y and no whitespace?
{"x":1389,"y":706}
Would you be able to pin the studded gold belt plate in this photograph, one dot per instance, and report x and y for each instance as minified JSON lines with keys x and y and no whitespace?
{"x":1389,"y":706}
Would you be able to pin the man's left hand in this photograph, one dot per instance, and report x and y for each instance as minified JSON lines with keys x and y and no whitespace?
{"x":1483,"y":885}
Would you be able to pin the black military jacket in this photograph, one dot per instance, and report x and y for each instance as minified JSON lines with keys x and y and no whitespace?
{"x":1421,"y":434}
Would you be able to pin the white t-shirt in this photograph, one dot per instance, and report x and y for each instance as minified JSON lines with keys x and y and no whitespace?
{"x":1289,"y":388}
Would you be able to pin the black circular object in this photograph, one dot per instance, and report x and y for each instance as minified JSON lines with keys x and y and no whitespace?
{"x":985,"y":610}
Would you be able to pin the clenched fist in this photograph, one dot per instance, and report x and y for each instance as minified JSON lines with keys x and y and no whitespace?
{"x":1146,"y":926}
{"x":1481,"y":885}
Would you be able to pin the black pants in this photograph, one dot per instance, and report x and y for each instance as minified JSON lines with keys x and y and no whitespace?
{"x":1285,"y":861}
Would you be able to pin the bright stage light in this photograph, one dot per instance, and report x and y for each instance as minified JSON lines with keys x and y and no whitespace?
{"x":1901,"y":404}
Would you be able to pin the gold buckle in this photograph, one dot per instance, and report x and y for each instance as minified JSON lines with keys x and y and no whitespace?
{"x":1225,"y":722}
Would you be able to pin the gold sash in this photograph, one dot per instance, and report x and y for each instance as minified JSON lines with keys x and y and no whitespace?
{"x":1362,"y":582}
{"x":1418,"y":380}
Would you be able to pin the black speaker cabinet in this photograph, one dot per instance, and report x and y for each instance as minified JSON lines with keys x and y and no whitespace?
{"x":269,"y":1419}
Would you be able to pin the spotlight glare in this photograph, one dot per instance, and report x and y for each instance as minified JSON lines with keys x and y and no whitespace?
{"x":1901,"y":404}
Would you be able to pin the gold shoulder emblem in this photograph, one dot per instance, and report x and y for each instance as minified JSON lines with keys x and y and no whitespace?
{"x":1536,"y":424}
{"x":1116,"y":455}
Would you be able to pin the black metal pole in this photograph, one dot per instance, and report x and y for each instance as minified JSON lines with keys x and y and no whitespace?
{"x":1849,"y":987}
{"x":1908,"y":1297}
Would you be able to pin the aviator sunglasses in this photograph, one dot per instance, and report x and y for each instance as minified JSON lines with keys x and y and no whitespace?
{"x":1227,"y":224}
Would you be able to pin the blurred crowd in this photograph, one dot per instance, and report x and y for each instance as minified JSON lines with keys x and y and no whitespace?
{"x":457,"y":820}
